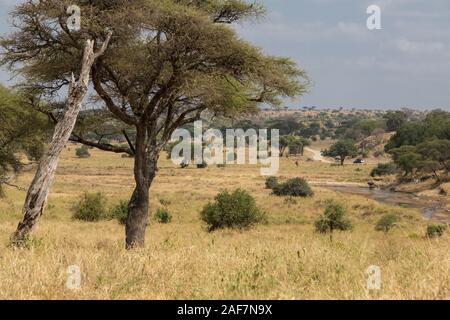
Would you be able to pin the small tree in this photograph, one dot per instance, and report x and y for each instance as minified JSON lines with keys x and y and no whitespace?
{"x":295,"y":144}
{"x":296,"y":147}
{"x":235,"y":210}
{"x":333,"y":219}
{"x":408,"y":162}
{"x":284,"y":143}
{"x":342,"y":149}
{"x":386,"y":223}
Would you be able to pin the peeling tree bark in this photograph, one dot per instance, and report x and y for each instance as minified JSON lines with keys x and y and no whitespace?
{"x":38,"y":191}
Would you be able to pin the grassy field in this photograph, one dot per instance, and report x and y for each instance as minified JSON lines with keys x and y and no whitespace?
{"x":284,"y":259}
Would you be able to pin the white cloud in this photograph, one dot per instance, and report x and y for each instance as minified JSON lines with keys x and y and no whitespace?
{"x":418,"y":48}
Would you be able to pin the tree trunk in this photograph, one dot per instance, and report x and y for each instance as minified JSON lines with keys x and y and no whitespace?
{"x":145,"y":166}
{"x":38,"y":191}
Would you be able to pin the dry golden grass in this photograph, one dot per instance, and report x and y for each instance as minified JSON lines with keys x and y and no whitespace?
{"x":284,"y":259}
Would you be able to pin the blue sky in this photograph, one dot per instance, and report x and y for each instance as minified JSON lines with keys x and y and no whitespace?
{"x":406,"y":64}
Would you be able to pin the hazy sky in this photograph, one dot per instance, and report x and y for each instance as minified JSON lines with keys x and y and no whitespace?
{"x":406,"y":64}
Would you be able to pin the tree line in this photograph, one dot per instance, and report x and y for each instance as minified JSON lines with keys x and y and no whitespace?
{"x":420,"y":148}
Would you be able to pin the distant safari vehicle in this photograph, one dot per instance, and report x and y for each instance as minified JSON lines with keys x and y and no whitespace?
{"x":359,"y":161}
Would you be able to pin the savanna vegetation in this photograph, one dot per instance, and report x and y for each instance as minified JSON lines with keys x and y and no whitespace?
{"x":202,"y":231}
{"x":282,"y":257}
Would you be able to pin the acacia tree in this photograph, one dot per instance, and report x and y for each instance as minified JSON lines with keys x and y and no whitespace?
{"x":169,"y":61}
{"x":342,"y":149}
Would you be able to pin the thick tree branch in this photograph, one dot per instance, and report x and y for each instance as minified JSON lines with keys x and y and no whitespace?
{"x":115,"y":110}
{"x":101,"y":146}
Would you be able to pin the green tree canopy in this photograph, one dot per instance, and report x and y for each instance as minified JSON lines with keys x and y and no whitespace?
{"x":436,"y":125}
{"x":394,"y":120}
{"x":427,"y":157}
{"x":333,"y":218}
{"x":342,"y":149}
{"x":22,"y":132}
{"x":167,"y":62}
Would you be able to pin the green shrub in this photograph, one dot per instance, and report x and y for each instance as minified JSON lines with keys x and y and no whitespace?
{"x":82,"y":152}
{"x":163,"y":215}
{"x":235,"y":210}
{"x":91,"y":207}
{"x":271,"y":182}
{"x":384,"y":169}
{"x":387,"y":222}
{"x":435,"y":230}
{"x":333,"y":218}
{"x":120,"y":212}
{"x":297,"y":187}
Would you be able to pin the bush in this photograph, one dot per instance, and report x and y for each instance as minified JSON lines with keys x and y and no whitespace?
{"x":163,"y":216}
{"x":91,"y":207}
{"x":120,"y":212}
{"x":334,"y":218}
{"x":297,"y":187}
{"x":435,"y":230}
{"x":271,"y":182}
{"x":387,"y":222}
{"x":384,"y":169}
{"x":82,"y":152}
{"x":235,"y":210}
